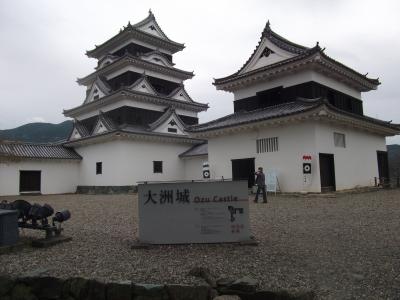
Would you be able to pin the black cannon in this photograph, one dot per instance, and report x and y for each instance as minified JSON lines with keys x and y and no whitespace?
{"x":36,"y":216}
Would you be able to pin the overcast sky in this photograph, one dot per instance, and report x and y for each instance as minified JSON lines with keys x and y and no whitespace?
{"x":43,"y":44}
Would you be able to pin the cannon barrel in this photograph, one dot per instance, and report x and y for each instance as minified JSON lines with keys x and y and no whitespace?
{"x":62,"y":216}
{"x":23,"y":208}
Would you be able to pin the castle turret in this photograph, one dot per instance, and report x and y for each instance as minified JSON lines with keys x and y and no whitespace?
{"x":135,"y":85}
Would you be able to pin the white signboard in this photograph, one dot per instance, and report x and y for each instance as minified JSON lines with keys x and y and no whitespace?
{"x":193,"y":212}
{"x":271,"y":180}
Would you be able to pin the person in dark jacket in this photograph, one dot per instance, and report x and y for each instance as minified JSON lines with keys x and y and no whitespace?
{"x":260,"y":182}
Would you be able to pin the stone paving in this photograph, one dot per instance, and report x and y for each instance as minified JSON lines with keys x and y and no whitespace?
{"x":344,"y":247}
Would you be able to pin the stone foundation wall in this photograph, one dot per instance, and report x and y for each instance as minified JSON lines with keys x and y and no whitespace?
{"x":51,"y":288}
{"x":125,"y":189}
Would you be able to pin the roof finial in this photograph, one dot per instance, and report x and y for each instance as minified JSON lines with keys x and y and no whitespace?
{"x":150,"y":12}
{"x":317,"y":44}
{"x":267,"y":29}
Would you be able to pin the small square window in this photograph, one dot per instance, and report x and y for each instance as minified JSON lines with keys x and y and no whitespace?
{"x":157,"y":166}
{"x":339,"y":140}
{"x":99,"y":168}
{"x":96,"y":97}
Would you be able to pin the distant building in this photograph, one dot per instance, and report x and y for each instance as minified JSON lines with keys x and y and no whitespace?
{"x":138,"y":123}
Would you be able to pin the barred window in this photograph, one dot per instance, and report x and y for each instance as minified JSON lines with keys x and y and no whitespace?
{"x":99,"y":168}
{"x":339,"y":140}
{"x":267,"y":145}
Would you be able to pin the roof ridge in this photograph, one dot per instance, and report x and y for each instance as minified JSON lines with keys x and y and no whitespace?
{"x":37,"y":151}
{"x":157,"y":52}
{"x":168,"y":113}
{"x":127,"y":56}
{"x":175,"y":91}
{"x":50,"y":144}
{"x":252,"y":111}
{"x":149,"y":18}
{"x":268,"y":32}
{"x":306,"y":55}
{"x":142,"y":78}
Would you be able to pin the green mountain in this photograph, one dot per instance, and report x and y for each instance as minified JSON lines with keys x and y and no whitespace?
{"x":38,"y":132}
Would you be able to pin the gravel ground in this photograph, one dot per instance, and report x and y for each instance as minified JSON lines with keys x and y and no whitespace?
{"x":342,"y":248}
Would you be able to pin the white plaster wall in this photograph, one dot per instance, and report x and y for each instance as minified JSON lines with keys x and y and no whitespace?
{"x":125,"y":162}
{"x":355,"y":165}
{"x":194,"y":167}
{"x":57,"y":176}
{"x":294,"y":79}
{"x":294,"y":142}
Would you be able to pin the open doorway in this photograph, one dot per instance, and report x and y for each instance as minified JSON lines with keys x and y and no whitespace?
{"x":327,"y":172}
{"x":243,"y":169}
{"x":383,"y":167}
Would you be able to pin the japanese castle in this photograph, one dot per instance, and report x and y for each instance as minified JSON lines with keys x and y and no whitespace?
{"x":138,"y":123}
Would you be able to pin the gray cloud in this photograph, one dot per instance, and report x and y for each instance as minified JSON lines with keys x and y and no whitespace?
{"x":43,"y":44}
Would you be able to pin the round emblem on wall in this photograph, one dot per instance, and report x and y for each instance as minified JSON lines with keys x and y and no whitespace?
{"x":206,"y":174}
{"x":306,"y":168}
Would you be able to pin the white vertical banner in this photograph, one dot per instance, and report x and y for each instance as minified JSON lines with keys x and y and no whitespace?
{"x":307,"y":170}
{"x":271,"y":179}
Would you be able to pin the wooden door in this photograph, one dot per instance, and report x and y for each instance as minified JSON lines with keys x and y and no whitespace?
{"x":29,"y":181}
{"x":243,"y":169}
{"x":383,"y":167}
{"x":327,"y":172}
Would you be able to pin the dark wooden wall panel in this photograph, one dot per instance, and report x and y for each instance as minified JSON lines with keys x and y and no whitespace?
{"x":280,"y":95}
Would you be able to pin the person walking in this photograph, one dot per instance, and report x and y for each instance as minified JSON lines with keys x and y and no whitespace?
{"x":260,"y":182}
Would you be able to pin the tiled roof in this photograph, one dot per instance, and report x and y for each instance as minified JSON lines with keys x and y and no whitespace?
{"x":129,"y":59}
{"x":103,"y":85}
{"x":108,"y":122}
{"x":281,"y":110}
{"x":245,"y":117}
{"x":164,"y":117}
{"x":39,"y":151}
{"x":130,"y":30}
{"x":300,"y":51}
{"x":83,"y":131}
{"x":139,"y":130}
{"x":183,"y":91}
{"x":149,"y":18}
{"x":196,"y":150}
{"x":145,"y":97}
{"x":158,"y":53}
{"x":235,"y":75}
{"x":281,"y":42}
